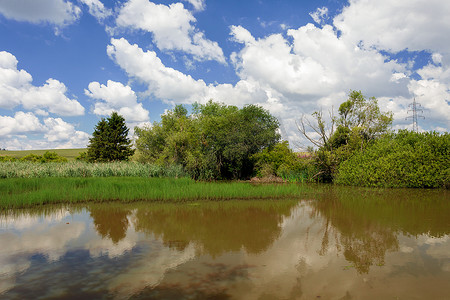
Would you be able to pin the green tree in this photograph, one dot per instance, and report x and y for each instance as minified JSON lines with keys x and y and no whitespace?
{"x":110,"y":140}
{"x":360,"y":121}
{"x":215,"y":141}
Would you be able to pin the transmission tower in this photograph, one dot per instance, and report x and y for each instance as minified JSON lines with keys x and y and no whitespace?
{"x":415,"y":108}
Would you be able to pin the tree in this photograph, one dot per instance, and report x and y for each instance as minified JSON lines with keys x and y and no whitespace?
{"x":360,"y":121}
{"x":110,"y":140}
{"x":215,"y":141}
{"x":361,"y":118}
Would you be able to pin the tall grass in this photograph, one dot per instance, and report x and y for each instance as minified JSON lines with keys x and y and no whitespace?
{"x":27,"y":192}
{"x":23,"y":169}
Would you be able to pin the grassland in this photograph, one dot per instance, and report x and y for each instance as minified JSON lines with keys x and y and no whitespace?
{"x":70,"y":154}
{"x":29,"y":192}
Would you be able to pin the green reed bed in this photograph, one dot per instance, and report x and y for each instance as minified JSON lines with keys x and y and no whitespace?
{"x":27,"y":192}
{"x":24,"y":169}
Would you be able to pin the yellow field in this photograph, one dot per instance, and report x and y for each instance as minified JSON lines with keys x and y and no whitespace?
{"x":70,"y":154}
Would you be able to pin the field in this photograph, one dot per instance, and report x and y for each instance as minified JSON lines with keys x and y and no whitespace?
{"x":70,"y":154}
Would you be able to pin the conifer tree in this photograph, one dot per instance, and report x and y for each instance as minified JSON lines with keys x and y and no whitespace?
{"x":110,"y":140}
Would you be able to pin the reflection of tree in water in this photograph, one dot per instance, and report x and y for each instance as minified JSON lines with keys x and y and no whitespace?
{"x":110,"y":222}
{"x":368,"y":221}
{"x":217,"y":228}
{"x":363,"y":242}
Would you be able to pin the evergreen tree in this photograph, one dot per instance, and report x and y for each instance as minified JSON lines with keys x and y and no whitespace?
{"x":110,"y":140}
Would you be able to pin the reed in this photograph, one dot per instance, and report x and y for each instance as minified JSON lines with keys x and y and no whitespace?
{"x":29,"y":192}
{"x":24,"y":169}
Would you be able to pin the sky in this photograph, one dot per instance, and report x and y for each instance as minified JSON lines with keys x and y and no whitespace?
{"x":65,"y":64}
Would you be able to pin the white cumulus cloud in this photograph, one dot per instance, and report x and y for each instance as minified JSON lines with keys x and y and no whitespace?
{"x":16,"y":89}
{"x":397,"y":25}
{"x":114,"y":96}
{"x":15,"y":132}
{"x":198,"y":5}
{"x":57,"y":12}
{"x":172,"y":28}
{"x":320,"y":15}
{"x":174,"y":86}
{"x":21,"y":123}
{"x":97,"y":9}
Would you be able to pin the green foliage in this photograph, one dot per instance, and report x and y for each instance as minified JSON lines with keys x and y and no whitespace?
{"x":31,"y":157}
{"x":281,"y":161}
{"x":48,"y":156}
{"x":404,"y":159}
{"x":70,"y":154}
{"x":110,"y":140}
{"x":364,"y":114}
{"x":82,"y":156}
{"x":215,"y":142}
{"x":360,"y":121}
{"x":52,"y":157}
{"x":4,"y":158}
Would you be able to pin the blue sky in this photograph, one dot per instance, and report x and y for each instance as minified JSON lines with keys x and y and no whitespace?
{"x":64,"y":64}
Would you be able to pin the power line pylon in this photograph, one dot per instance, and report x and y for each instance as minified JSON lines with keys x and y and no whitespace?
{"x":415,"y":108}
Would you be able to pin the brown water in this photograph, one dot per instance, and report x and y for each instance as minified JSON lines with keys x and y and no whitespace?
{"x":343,"y":243}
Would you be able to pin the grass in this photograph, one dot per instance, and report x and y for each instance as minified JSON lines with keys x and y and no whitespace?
{"x":29,"y":192}
{"x":70,"y":154}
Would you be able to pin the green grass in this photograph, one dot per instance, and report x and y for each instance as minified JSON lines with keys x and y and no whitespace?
{"x":70,"y":154}
{"x":29,"y":192}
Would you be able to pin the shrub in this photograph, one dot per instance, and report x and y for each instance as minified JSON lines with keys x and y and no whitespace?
{"x":7,"y":158}
{"x":404,"y":159}
{"x":281,"y":161}
{"x":48,"y":156}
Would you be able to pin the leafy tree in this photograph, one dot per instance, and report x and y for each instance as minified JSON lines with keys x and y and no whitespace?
{"x":215,"y":141}
{"x":360,"y":121}
{"x":110,"y":140}
{"x":231,"y":136}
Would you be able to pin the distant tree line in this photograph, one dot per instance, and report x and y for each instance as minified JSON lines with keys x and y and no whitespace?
{"x":48,"y":156}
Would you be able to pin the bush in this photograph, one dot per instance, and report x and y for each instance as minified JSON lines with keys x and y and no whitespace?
{"x":281,"y":161}
{"x":46,"y":157}
{"x":404,"y":159}
{"x":7,"y":158}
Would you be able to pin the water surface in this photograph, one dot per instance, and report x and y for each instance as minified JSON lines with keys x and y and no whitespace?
{"x":341,"y":243}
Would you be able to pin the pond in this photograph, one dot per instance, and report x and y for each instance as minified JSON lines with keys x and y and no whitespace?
{"x":341,"y":243}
